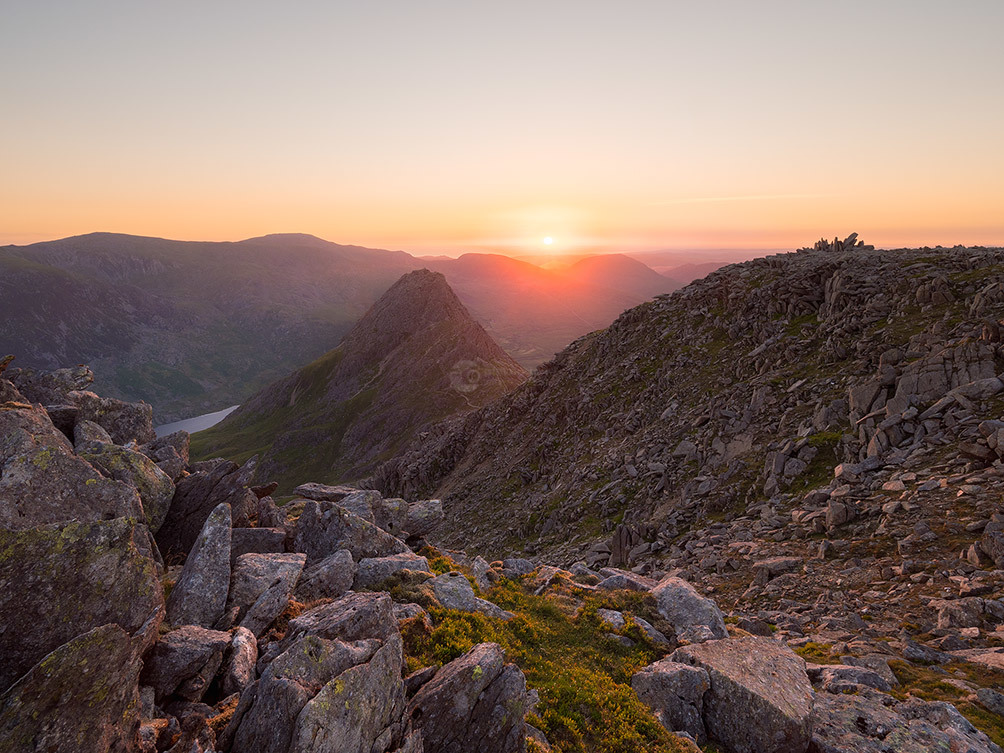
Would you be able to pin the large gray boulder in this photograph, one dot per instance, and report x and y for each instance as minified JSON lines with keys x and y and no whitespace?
{"x":254,"y":574}
{"x":125,"y":422}
{"x":336,"y":685}
{"x":353,"y":617}
{"x":329,"y":578}
{"x":424,"y":517}
{"x":266,"y":717}
{"x":239,"y":662}
{"x":155,"y":488}
{"x":61,"y":581}
{"x":81,"y":698}
{"x":200,"y":595}
{"x":170,"y":453}
{"x":760,"y":700}
{"x":476,"y":702}
{"x":375,"y":570}
{"x":675,"y":692}
{"x":197,"y":495}
{"x":454,"y":591}
{"x":50,"y":387}
{"x":325,"y":527}
{"x":41,"y":479}
{"x":323,"y":492}
{"x":693,"y":617}
{"x":184,"y":662}
{"x":357,"y":708}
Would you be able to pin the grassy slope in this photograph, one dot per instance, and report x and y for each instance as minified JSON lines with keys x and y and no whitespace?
{"x":583,"y":677}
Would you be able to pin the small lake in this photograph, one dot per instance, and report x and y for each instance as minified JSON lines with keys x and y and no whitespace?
{"x":199,"y":423}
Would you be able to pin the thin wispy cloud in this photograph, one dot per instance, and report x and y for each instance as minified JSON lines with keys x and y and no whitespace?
{"x":754,"y":197}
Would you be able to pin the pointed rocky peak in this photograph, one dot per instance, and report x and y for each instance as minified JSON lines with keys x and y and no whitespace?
{"x":415,"y":358}
{"x":416,"y":301}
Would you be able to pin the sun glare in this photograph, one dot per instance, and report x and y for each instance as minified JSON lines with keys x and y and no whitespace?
{"x":548,"y":241}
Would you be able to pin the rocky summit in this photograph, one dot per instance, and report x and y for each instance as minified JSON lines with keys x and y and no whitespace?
{"x":761,"y":515}
{"x":415,"y":358}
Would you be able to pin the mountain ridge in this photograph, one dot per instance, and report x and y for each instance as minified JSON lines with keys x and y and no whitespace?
{"x":183,"y":324}
{"x":416,"y":357}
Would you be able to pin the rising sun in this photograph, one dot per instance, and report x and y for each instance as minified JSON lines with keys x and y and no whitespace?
{"x":548,"y":241}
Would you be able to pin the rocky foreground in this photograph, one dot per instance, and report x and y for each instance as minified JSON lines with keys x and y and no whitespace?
{"x":154,"y":604}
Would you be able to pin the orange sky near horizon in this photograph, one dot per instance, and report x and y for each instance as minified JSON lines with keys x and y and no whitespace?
{"x":455,"y":127}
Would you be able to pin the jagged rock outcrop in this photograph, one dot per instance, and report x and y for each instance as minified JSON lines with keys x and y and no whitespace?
{"x":198,"y":494}
{"x":42,"y":480}
{"x":324,"y":528}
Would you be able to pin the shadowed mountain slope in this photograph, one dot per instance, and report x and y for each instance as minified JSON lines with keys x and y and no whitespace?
{"x":193,"y":327}
{"x":415,"y":358}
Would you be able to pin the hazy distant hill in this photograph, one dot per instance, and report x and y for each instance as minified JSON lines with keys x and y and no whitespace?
{"x":195,"y":326}
{"x":416,"y":357}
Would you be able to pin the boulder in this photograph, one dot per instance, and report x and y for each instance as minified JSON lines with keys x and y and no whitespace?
{"x":423,"y":517}
{"x":336,"y":685}
{"x":675,"y":692}
{"x":85,"y":432}
{"x":357,"y":708}
{"x":323,"y":492}
{"x":184,"y":662}
{"x":377,"y":569}
{"x":239,"y":662}
{"x":391,"y":514}
{"x":476,"y":702}
{"x":325,"y":527}
{"x":256,"y":541}
{"x":266,"y":716}
{"x":362,"y":502}
{"x":197,"y":495}
{"x":50,"y":387}
{"x":760,"y":699}
{"x":254,"y":574}
{"x":82,"y":697}
{"x":42,"y":480}
{"x":125,"y":422}
{"x":200,"y":595}
{"x":170,"y":453}
{"x":843,"y":678}
{"x":353,"y":617}
{"x":271,"y":603}
{"x":992,"y":541}
{"x":155,"y":488}
{"x":61,"y":581}
{"x":693,"y":617}
{"x":329,"y":578}
{"x":454,"y":591}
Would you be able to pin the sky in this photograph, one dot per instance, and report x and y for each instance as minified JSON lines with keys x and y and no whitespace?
{"x":443,"y":127}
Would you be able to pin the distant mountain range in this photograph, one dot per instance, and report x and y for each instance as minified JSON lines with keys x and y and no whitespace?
{"x":415,"y":358}
{"x":192,"y":327}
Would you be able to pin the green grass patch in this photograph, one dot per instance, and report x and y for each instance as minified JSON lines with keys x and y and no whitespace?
{"x":931,"y":684}
{"x":583,"y":677}
{"x":818,"y":653}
